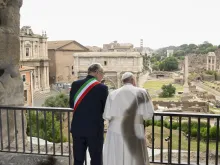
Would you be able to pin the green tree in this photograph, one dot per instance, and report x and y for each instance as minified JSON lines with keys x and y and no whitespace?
{"x":169,"y":64}
{"x":36,"y":125}
{"x":60,"y":100}
{"x":179,"y":53}
{"x":155,"y":67}
{"x":168,"y":91}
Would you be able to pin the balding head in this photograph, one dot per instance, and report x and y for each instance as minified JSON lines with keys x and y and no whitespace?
{"x":95,"y":67}
{"x":96,"y":70}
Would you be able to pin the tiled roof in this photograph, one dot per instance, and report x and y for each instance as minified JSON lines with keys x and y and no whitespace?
{"x":58,"y":44}
{"x":107,"y":54}
{"x":54,"y":45}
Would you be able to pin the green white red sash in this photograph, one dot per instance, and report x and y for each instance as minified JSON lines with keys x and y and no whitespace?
{"x":83,"y":90}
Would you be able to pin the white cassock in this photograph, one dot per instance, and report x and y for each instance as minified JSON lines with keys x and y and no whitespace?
{"x":125,"y":142}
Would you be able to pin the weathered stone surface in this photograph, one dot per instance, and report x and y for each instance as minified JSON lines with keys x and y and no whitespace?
{"x":18,"y":159}
{"x":11,"y":85}
{"x":22,"y":159}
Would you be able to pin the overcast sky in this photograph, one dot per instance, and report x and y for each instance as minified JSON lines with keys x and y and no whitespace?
{"x":94,"y":22}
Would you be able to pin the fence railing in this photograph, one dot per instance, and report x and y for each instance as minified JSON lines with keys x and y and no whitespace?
{"x":177,"y":138}
{"x":185,"y":138}
{"x":32,"y":130}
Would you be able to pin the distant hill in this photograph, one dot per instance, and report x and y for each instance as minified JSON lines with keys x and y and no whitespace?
{"x":184,"y":49}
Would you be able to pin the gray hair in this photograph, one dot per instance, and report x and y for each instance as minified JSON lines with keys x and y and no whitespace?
{"x":95,"y":67}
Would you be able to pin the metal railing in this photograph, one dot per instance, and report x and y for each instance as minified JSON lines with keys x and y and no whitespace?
{"x":47,"y":130}
{"x":191,"y":138}
{"x":177,"y":138}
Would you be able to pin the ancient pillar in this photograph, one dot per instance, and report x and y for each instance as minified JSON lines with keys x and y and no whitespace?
{"x":186,"y":85}
{"x":118,"y":80}
{"x":11,"y":85}
{"x":214,"y":63}
{"x":45,"y":77}
{"x":207,"y":64}
{"x":48,"y":85}
{"x":138,"y":80}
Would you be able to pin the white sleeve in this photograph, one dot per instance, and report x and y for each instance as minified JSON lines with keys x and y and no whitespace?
{"x":146,"y":109}
{"x":107,"y":109}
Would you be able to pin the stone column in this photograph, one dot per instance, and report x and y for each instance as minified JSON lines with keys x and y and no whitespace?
{"x":39,"y":78}
{"x":137,"y":79}
{"x":33,"y":50}
{"x":118,"y":80}
{"x":11,"y":85}
{"x":186,"y":85}
{"x":207,"y":64}
{"x":211,"y":68}
{"x":35,"y":79}
{"x":215,"y":63}
{"x":47,"y":77}
{"x":44,"y":77}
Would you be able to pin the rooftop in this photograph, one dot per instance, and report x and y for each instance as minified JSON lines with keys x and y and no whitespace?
{"x":62,"y":45}
{"x":108,"y":54}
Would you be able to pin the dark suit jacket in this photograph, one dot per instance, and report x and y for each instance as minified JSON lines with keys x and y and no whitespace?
{"x":87,"y":119}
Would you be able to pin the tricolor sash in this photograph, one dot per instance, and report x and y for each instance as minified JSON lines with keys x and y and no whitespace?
{"x":83,"y":90}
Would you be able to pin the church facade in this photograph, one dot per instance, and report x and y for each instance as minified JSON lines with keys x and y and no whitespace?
{"x":33,"y":53}
{"x":114,"y":64}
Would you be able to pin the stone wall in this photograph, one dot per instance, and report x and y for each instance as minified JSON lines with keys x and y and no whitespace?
{"x":187,"y":106}
{"x":207,"y":77}
{"x":11,"y":85}
{"x":161,"y":74}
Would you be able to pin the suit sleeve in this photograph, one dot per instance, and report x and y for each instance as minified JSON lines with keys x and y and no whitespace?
{"x":105,"y":95}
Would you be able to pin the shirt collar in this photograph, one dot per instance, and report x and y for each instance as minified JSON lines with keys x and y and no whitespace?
{"x":89,"y":76}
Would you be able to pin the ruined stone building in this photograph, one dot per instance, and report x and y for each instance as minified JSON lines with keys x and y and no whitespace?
{"x":33,"y":53}
{"x":114,"y":64}
{"x":94,"y":48}
{"x":118,"y":47}
{"x":61,"y":60}
{"x":170,"y":52}
{"x":27,"y":78}
{"x":145,"y":51}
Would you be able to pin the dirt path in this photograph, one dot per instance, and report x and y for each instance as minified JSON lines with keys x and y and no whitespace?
{"x":143,"y":79}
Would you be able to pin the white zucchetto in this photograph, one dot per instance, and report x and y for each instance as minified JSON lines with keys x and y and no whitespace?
{"x":126,"y":75}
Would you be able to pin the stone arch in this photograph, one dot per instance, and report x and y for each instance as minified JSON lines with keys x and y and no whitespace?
{"x":110,"y":83}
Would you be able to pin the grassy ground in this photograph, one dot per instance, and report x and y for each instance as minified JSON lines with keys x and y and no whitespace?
{"x":154,"y":88}
{"x":211,"y":84}
{"x":175,"y":140}
{"x":214,"y":110}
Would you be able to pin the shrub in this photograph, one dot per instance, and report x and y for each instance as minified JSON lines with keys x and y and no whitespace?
{"x":194,"y":132}
{"x":148,"y":123}
{"x":168,"y":91}
{"x":213,"y":132}
{"x":41,"y":125}
{"x":175,"y":125}
{"x":203,"y":133}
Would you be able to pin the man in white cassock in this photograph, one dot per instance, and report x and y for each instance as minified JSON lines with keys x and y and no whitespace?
{"x":126,"y":109}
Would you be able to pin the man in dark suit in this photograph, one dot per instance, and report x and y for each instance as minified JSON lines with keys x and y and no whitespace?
{"x":87,"y":98}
